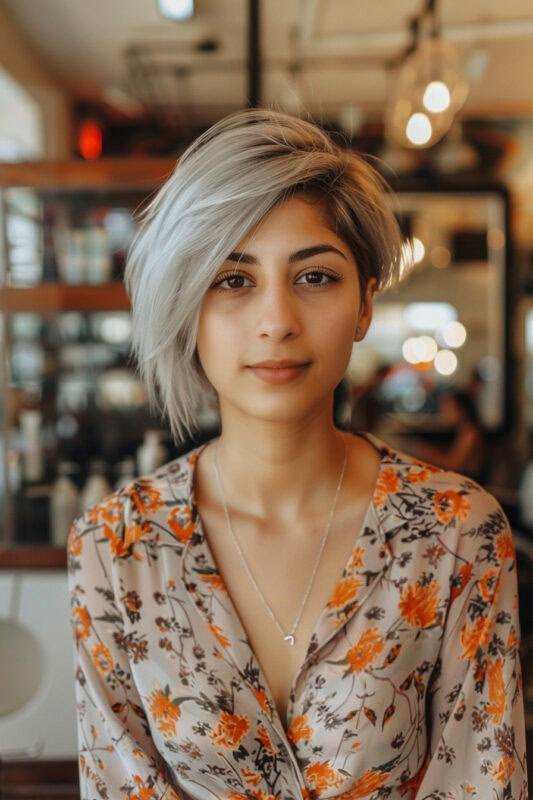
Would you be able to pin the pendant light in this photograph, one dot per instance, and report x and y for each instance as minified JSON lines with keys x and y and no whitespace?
{"x":427,"y":87}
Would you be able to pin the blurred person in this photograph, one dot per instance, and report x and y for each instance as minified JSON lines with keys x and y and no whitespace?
{"x":366,"y":406}
{"x":288,"y":610}
{"x":467,"y":451}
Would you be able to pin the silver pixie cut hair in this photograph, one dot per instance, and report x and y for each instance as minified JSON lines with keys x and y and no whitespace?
{"x":223,"y":185}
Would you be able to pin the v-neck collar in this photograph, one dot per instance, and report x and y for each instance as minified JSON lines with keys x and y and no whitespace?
{"x":369,"y":557}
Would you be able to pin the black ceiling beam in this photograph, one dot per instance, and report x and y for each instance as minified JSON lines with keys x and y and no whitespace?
{"x":254,"y":55}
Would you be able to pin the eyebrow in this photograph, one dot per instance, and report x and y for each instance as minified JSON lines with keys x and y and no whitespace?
{"x":299,"y":255}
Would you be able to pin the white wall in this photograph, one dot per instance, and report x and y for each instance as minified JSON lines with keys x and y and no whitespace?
{"x":38,"y":602}
{"x":25,"y":66}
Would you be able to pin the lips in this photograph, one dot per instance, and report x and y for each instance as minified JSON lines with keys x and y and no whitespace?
{"x":283,"y":364}
{"x":280,"y":375}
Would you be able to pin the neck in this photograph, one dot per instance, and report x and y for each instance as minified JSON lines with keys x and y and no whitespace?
{"x":283,"y":478}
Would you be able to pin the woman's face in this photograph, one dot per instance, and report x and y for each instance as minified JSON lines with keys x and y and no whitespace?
{"x":294,"y":295}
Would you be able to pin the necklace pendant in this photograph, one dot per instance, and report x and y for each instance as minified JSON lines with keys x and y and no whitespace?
{"x":289,"y":638}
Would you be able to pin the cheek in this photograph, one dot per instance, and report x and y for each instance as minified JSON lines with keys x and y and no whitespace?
{"x":217,"y":339}
{"x":336,"y":328}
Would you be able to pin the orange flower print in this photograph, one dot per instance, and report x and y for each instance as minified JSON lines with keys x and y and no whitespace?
{"x":414,"y":783}
{"x":82,"y":625}
{"x":504,"y":545}
{"x":230,"y":730}
{"x":102,"y":658}
{"x":450,"y":504}
{"x":299,"y":729}
{"x":179,"y":522}
{"x":368,"y":783}
{"x":465,"y":573}
{"x":418,"y":475}
{"x":345,"y":592}
{"x":262,"y":700}
{"x":474,"y":636}
{"x":357,"y":558}
{"x":367,"y":649}
{"x":163,"y":709}
{"x":250,"y":776}
{"x":322,"y":777}
{"x":497,"y":704}
{"x":93,"y":513}
{"x":132,"y":534}
{"x":115,"y":542}
{"x":418,"y":604}
{"x":488,"y":583}
{"x":265,"y":739}
{"x":74,"y":543}
{"x":261,"y":795}
{"x":216,"y":631}
{"x":503,"y":770}
{"x":387,"y":483}
{"x":144,"y":792}
{"x":111,"y":510}
{"x":215,"y":581}
{"x":144,"y":497}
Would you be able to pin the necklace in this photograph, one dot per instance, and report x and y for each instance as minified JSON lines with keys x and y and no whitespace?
{"x":291,"y":636}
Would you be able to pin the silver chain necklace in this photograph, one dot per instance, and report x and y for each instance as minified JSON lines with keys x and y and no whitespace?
{"x":290,"y":637}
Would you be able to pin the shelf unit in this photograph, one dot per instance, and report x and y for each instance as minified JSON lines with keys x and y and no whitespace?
{"x":80,"y":188}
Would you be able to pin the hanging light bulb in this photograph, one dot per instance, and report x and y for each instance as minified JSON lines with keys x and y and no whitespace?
{"x":428,"y":86}
{"x":418,"y":129}
{"x":436,"y":97}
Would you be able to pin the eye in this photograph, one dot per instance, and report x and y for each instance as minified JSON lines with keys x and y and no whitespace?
{"x":229,"y":276}
{"x":320,"y":272}
{"x":238,"y":276}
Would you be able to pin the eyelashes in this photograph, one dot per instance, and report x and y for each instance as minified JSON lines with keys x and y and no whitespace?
{"x":234,"y":274}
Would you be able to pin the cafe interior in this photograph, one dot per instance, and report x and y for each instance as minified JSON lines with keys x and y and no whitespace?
{"x":97,"y":101}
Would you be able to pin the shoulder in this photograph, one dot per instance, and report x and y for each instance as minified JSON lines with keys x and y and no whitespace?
{"x":420,"y":501}
{"x":139,"y":512}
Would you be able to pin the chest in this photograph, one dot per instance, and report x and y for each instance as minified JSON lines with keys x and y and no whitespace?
{"x":282,"y":564}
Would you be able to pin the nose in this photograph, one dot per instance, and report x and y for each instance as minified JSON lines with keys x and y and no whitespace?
{"x":276,"y":310}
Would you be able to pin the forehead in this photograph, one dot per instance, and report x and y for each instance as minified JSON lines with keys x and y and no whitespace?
{"x":300,"y":216}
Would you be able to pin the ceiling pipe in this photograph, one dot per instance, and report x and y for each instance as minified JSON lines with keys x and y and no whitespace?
{"x":390,"y":39}
{"x":254,"y":55}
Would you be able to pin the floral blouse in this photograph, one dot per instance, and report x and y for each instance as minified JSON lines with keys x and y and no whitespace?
{"x":411,"y":686}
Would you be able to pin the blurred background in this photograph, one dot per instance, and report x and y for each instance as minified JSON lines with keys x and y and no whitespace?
{"x":97,"y":101}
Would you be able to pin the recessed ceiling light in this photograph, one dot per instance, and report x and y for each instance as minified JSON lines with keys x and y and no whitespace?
{"x":176,"y":9}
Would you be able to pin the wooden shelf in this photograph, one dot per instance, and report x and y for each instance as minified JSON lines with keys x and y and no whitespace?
{"x":26,"y":556}
{"x":108,"y":173}
{"x":53,"y":297}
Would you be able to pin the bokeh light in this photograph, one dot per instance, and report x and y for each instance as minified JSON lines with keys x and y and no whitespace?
{"x":445,"y":362}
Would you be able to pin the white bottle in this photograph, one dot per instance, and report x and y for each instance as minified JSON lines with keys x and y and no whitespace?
{"x":63,"y":503}
{"x":151,"y":454}
{"x":30,"y":423}
{"x":96,"y":487}
{"x":126,"y":473}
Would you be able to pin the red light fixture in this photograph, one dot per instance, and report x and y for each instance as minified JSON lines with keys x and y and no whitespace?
{"x":90,"y":140}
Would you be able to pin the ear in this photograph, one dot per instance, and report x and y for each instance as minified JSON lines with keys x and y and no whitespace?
{"x":366,"y":309}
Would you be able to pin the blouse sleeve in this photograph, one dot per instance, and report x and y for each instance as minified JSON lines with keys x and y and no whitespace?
{"x":476,"y":725}
{"x":117,"y":757}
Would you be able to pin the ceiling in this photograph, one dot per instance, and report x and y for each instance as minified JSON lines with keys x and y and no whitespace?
{"x":341,"y":47}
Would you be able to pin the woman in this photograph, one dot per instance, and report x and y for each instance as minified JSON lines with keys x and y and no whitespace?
{"x":288,"y":610}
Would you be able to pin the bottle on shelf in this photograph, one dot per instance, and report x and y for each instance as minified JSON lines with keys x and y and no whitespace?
{"x":96,"y":487}
{"x":33,"y":459}
{"x":64,"y":503}
{"x":126,"y":473}
{"x":151,"y":454}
